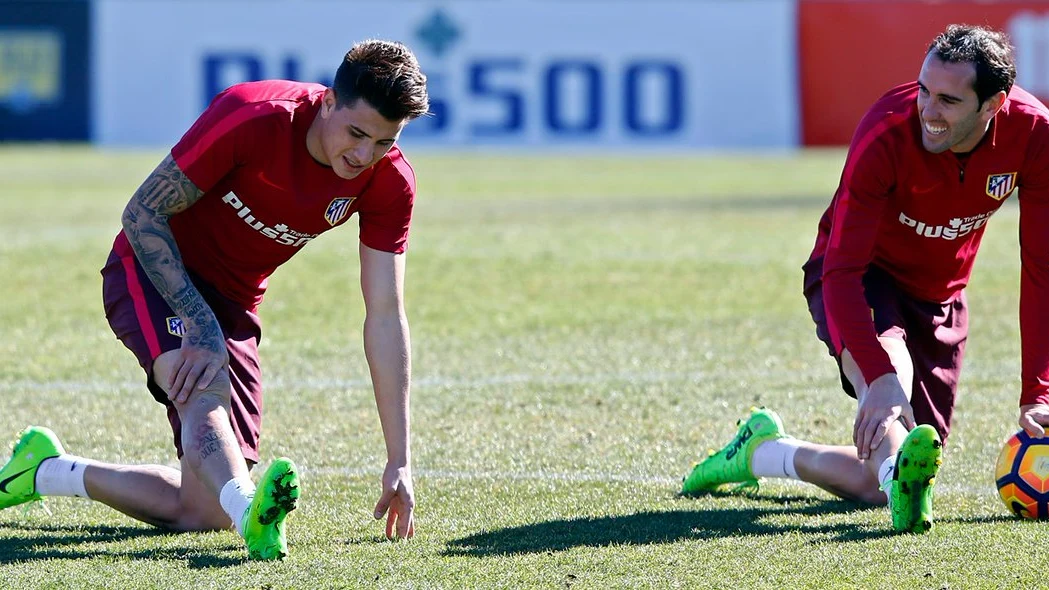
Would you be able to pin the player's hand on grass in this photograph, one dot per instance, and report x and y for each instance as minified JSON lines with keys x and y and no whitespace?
{"x":397,"y":502}
{"x":884,"y":404}
{"x":202,"y":355}
{"x":1034,"y":418}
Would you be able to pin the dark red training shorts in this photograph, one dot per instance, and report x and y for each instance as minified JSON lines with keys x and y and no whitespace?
{"x":934,"y":333}
{"x":144,"y":322}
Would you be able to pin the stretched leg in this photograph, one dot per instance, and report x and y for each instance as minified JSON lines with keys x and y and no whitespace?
{"x":213,"y":455}
{"x":762,"y":449}
{"x":838,"y":469}
{"x":186,"y":500}
{"x":209,"y":445}
{"x":158,"y":495}
{"x":213,"y":489}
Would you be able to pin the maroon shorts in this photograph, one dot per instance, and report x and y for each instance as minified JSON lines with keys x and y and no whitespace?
{"x":144,"y":322}
{"x":934,"y":334}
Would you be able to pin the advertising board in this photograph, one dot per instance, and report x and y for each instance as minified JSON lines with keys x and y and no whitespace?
{"x":534,"y":73}
{"x":44,"y":70}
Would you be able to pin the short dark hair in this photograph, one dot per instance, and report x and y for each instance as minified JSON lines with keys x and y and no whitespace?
{"x":387,"y":76}
{"x":987,"y":49}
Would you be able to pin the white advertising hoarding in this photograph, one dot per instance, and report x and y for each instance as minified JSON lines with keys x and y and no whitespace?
{"x":530,"y":73}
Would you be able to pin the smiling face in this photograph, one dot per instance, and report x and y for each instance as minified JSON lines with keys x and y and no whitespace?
{"x":352,"y":137}
{"x":951,"y":115}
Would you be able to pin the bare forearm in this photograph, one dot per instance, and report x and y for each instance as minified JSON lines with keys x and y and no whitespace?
{"x":387,"y":345}
{"x":145,"y":220}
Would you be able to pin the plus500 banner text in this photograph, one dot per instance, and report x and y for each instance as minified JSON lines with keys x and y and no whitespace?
{"x":543,"y":73}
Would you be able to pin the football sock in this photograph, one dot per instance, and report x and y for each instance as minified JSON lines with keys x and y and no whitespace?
{"x":235,"y":499}
{"x":775,"y":458}
{"x":885,"y":475}
{"x":62,"y":476}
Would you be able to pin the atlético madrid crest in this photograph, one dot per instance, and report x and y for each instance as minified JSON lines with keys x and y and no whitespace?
{"x":1000,"y":185}
{"x":176,"y":327}
{"x":338,"y":209}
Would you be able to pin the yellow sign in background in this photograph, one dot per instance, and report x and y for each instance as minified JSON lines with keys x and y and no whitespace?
{"x":30,"y":67}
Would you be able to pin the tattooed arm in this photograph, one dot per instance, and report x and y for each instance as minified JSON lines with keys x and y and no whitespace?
{"x":165,"y":192}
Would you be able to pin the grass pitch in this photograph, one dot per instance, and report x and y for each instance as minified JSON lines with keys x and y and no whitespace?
{"x":583,"y":330}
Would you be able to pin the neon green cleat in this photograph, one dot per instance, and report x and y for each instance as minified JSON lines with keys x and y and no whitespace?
{"x":276,"y":496}
{"x":732,"y":463}
{"x":18,"y":476}
{"x":917,"y":462}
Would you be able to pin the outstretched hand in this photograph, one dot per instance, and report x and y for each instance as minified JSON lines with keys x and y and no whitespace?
{"x":884,"y":404}
{"x":397,"y":501}
{"x":1034,"y":418}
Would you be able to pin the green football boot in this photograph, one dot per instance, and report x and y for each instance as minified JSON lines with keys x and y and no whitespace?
{"x":276,"y":496}
{"x":732,"y":463}
{"x":18,"y":476}
{"x":917,"y":462}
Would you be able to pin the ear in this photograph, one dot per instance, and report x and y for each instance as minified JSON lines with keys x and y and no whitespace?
{"x":992,"y":105}
{"x":328,"y":103}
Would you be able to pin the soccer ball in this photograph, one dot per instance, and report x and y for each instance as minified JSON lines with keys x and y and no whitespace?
{"x":1022,"y":475}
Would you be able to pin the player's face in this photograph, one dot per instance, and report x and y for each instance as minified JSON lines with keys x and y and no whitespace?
{"x":950,"y":114}
{"x":355,"y":136}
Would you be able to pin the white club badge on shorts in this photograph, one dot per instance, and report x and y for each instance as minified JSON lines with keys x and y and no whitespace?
{"x":176,"y":327}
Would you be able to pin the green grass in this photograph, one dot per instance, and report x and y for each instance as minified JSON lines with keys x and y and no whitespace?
{"x":583,"y":329}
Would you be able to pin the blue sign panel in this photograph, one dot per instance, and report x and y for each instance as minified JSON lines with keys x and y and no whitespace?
{"x":44,"y":70}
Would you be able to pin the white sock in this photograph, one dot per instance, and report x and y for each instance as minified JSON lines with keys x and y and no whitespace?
{"x":775,"y":458}
{"x":62,"y":476}
{"x":885,"y":476}
{"x":235,"y":499}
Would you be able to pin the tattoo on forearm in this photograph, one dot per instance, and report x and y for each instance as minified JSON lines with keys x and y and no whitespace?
{"x":165,"y":192}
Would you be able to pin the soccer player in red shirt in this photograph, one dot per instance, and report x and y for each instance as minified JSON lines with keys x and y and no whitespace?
{"x":929,"y":164}
{"x":266,"y":168}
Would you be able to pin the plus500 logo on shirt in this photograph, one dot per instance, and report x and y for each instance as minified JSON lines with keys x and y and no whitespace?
{"x":955,"y":228}
{"x":280,"y":233}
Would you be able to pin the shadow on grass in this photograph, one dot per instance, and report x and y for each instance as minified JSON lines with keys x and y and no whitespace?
{"x":647,"y":528}
{"x":85,"y":542}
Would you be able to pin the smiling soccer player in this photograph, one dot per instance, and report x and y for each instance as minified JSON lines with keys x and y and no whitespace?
{"x":265,"y":169}
{"x":930,"y":163}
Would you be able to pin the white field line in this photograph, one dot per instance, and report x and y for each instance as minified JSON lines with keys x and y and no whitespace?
{"x":571,"y":477}
{"x":99,"y":385}
{"x":440,"y":382}
{"x":579,"y":477}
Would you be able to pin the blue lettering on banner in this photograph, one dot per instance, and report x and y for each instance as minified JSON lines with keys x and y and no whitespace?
{"x":673,"y":91}
{"x":506,"y":96}
{"x":222,"y":70}
{"x":499,"y":82}
{"x":483,"y":86}
{"x":592,"y":81}
{"x":217,"y":69}
{"x":438,"y":118}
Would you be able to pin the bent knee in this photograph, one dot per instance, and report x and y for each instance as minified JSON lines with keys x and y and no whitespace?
{"x":217,"y":395}
{"x":218,"y":389}
{"x":203,"y":401}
